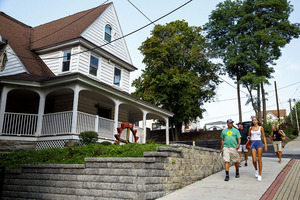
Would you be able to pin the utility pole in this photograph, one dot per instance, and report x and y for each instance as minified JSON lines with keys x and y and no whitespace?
{"x":292,"y":120}
{"x":278,"y":115}
{"x":296,"y":117}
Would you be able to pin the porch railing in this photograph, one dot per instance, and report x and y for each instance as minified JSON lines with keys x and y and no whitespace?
{"x":19,"y":124}
{"x":57,"y":123}
{"x":61,"y":123}
{"x":106,"y":128}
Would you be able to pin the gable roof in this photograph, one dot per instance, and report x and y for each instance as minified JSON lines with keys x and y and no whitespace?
{"x":282,"y":112}
{"x":17,"y":35}
{"x":64,"y":29}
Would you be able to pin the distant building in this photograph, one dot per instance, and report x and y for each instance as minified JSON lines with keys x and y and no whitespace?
{"x":272,"y":115}
{"x":218,"y":125}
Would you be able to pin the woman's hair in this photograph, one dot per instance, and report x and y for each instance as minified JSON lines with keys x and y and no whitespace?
{"x":275,"y":127}
{"x":258,"y":122}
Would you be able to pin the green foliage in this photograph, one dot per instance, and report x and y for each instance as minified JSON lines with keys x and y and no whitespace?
{"x":248,"y":35}
{"x":105,"y":143}
{"x":289,"y":131}
{"x":178,"y":75}
{"x":88,"y":137}
{"x":150,"y":142}
{"x":73,"y":154}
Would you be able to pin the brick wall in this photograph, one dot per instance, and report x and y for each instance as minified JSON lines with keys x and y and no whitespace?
{"x":149,"y":177}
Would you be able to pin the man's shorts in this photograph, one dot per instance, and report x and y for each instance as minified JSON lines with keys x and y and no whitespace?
{"x":230,"y":154}
{"x":256,"y":144}
{"x":242,"y":148}
{"x":277,"y":146}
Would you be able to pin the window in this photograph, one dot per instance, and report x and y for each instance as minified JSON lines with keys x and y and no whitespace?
{"x":104,"y":112}
{"x":156,"y":126}
{"x":66,"y":61}
{"x":107,"y":35}
{"x":117,"y":76}
{"x":94,"y":65}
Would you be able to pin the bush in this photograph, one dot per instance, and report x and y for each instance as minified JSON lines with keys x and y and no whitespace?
{"x":88,"y":137}
{"x":73,"y":154}
{"x":105,"y":143}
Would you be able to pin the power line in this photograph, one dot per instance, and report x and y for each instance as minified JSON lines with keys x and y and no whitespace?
{"x":97,"y":47}
{"x":140,"y":11}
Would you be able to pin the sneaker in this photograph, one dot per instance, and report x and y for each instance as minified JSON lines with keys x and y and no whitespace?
{"x":240,"y":165}
{"x":237,"y":175}
{"x":227,"y":178}
{"x":246,"y":164}
{"x":256,"y":173}
{"x":259,"y":178}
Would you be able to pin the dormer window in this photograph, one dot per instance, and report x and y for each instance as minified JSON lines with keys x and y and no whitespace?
{"x":117,"y":76}
{"x":107,"y":35}
{"x":66,"y":61}
{"x":94,"y":65}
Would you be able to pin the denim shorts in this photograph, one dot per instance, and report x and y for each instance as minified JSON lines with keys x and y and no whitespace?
{"x":256,"y":144}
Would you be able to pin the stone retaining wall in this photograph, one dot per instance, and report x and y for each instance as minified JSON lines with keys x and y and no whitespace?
{"x":149,"y":177}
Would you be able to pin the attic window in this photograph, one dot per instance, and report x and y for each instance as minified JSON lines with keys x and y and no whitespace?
{"x":66,"y":61}
{"x":94,"y":65}
{"x":107,"y":35}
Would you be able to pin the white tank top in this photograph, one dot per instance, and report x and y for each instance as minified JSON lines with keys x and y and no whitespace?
{"x":255,"y":135}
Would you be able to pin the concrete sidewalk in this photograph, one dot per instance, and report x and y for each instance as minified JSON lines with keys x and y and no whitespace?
{"x":246,"y":187}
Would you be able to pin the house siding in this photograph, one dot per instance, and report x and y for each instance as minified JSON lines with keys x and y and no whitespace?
{"x":53,"y":61}
{"x":13,"y":65}
{"x":95,"y":34}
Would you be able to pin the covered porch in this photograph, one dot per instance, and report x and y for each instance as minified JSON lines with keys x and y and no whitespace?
{"x":69,"y":106}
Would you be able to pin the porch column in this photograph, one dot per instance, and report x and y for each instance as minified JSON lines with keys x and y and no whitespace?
{"x":167,"y":131}
{"x":116,"y":116}
{"x":75,"y":109}
{"x":5,"y":91}
{"x":144,"y":126}
{"x":40,"y":114}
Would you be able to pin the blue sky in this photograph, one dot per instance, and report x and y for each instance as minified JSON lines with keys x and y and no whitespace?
{"x":196,"y":13}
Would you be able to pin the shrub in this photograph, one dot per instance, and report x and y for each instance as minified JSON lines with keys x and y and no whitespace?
{"x":105,"y":143}
{"x":88,"y":137}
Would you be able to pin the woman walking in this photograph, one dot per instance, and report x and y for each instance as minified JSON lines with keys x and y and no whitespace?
{"x":277,"y":135}
{"x":256,"y":131}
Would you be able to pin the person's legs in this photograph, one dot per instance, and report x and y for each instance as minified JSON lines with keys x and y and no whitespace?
{"x":259,"y":155}
{"x":253,"y":152}
{"x":246,"y":158}
{"x":240,"y":156}
{"x":279,"y":151}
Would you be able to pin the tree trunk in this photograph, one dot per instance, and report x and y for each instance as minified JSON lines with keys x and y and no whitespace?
{"x":252,"y":101}
{"x":264,"y":103}
{"x":258,"y":103}
{"x":178,"y":127}
{"x":239,"y":101}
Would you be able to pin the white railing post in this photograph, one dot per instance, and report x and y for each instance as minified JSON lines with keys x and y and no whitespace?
{"x":4,"y":93}
{"x":116,"y":116}
{"x":167,"y":131}
{"x":75,"y":109}
{"x":144,"y":126}
{"x":96,"y":123}
{"x":40,"y":114}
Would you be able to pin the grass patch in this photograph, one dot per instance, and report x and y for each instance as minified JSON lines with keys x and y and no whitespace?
{"x":73,"y":154}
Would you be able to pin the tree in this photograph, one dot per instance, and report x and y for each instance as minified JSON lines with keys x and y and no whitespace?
{"x":224,"y":34}
{"x":178,"y":75}
{"x":249,"y":35}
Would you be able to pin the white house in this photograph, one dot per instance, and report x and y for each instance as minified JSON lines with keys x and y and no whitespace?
{"x":68,"y":76}
{"x":272,"y":115}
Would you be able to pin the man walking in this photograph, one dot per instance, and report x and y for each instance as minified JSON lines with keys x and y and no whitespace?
{"x":231,"y":140}
{"x":244,"y":134}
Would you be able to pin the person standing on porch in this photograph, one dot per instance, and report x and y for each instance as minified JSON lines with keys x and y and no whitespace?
{"x":244,"y":134}
{"x":231,"y":140}
{"x":256,"y":131}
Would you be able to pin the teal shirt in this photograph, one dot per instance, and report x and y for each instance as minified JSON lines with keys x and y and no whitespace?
{"x":230,"y":137}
